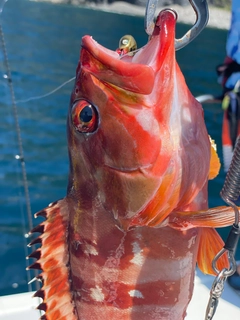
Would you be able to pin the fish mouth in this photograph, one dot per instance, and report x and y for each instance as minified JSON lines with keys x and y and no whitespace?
{"x":134,"y":73}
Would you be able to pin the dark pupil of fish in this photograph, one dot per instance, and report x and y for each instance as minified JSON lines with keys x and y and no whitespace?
{"x":86,"y":114}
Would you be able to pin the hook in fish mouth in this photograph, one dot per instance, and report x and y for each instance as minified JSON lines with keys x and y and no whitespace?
{"x":201,"y":10}
{"x":110,"y":67}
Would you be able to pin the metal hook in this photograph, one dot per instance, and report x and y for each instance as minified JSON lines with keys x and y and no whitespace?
{"x":199,"y":6}
{"x":232,"y":262}
{"x":215,"y":294}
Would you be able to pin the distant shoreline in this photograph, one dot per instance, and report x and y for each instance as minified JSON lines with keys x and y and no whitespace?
{"x":218,"y":18}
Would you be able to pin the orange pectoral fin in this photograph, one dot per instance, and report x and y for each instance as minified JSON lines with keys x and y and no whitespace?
{"x":217,"y":217}
{"x":210,"y":244}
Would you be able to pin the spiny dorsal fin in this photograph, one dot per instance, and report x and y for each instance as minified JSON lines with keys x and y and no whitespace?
{"x":52,"y":259}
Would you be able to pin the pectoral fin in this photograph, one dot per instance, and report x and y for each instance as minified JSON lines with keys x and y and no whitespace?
{"x":217,"y":217}
{"x":210,"y":241}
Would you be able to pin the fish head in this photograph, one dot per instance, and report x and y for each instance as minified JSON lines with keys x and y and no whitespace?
{"x":126,"y":119}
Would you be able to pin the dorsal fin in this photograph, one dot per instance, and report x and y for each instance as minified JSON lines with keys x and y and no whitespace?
{"x":53,"y":259}
{"x":215,"y":164}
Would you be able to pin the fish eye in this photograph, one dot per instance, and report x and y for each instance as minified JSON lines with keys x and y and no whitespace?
{"x":84,"y":116}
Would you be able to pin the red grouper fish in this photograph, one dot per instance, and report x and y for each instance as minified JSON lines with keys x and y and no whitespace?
{"x":123,"y":244}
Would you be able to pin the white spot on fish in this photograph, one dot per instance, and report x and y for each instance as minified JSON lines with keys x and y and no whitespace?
{"x":138,"y":258}
{"x":136,"y":294}
{"x":89,"y":249}
{"x":96,"y":294}
{"x":147,"y":121}
{"x":115,"y":214}
{"x":187,"y":115}
{"x":139,"y":236}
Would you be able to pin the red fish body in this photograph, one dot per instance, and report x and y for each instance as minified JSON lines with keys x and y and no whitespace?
{"x":123,"y":244}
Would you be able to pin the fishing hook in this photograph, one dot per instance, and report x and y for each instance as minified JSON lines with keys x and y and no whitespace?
{"x":199,"y":6}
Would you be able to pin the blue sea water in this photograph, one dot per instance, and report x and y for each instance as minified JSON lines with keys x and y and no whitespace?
{"x":43,"y":43}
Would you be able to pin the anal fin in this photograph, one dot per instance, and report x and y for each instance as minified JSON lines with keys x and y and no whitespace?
{"x":210,"y":241}
{"x":210,"y":244}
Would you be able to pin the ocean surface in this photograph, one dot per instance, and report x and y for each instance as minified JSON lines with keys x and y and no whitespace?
{"x":43,"y":43}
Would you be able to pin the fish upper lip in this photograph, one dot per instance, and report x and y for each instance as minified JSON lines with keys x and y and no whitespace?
{"x":116,"y":71}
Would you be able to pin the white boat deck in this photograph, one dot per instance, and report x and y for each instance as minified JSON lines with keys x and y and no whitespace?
{"x":22,"y":306}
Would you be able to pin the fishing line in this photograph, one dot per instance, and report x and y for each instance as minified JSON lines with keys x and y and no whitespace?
{"x":46,"y":94}
{"x":20,"y":156}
